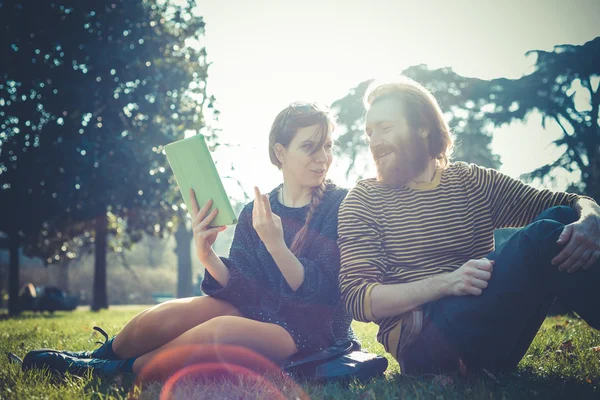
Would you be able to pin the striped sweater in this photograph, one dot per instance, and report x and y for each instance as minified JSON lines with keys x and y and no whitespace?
{"x":398,"y":235}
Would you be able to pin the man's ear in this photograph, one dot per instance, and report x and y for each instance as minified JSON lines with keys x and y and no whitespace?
{"x":280,"y":152}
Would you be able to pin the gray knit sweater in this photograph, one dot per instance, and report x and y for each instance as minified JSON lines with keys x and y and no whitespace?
{"x":313,"y":314}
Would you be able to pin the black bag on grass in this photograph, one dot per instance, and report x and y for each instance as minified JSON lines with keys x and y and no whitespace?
{"x":337,"y":363}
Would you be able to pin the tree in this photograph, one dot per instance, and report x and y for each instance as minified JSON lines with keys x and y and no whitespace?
{"x":564,"y":89}
{"x":183,"y":248}
{"x":90,"y":93}
{"x":465,"y":116}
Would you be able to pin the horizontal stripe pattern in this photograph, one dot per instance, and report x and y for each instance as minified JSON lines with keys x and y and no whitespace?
{"x":399,"y":235}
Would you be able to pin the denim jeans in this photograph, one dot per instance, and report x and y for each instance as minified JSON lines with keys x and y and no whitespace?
{"x":494,"y":330}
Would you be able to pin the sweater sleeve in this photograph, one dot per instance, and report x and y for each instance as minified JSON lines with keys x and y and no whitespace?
{"x":363,"y":257}
{"x":513,"y":203}
{"x":321,"y":261}
{"x":244,"y":280}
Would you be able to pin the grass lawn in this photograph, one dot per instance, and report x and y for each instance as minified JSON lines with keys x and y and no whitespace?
{"x":561,"y":363}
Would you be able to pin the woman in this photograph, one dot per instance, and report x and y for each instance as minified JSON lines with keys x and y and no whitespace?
{"x":276,"y":294}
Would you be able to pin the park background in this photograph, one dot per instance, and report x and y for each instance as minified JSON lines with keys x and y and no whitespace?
{"x":90,"y":94}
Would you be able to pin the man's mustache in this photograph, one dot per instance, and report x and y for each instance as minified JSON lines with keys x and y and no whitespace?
{"x":381,"y":150}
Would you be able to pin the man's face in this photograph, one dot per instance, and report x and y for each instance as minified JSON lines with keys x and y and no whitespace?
{"x":400,"y":152}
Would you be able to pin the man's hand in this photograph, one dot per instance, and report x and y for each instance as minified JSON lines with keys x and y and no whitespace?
{"x":582,"y":240}
{"x":471,"y":278}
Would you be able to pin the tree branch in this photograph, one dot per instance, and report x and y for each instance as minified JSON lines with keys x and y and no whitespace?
{"x":351,"y":166}
{"x":237,"y":181}
{"x":595,"y":97}
{"x":587,"y":83}
{"x":571,"y":142}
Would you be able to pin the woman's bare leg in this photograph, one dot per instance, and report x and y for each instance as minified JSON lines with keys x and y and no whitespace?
{"x":269,"y":340}
{"x":164,"y":322}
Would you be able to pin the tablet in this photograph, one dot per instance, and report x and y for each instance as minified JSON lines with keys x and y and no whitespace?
{"x":194,"y":168}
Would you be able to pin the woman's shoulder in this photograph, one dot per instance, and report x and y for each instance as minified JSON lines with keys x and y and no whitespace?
{"x":335,"y":191}
{"x":333,"y":196}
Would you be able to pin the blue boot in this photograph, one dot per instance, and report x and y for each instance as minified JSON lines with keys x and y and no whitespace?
{"x":104,"y":352}
{"x":59,"y":363}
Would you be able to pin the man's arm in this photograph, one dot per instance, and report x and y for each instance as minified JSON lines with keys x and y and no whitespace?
{"x":399,"y":298}
{"x":364,"y":262}
{"x":511,"y":202}
{"x":362,"y":256}
{"x":470,"y":279}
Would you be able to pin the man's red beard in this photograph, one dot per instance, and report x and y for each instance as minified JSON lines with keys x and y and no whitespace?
{"x":404,"y":163}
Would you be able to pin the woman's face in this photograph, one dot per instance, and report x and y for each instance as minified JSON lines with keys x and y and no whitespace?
{"x":304,"y":161}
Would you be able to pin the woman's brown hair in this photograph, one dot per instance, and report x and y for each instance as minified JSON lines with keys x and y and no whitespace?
{"x":288,"y":121}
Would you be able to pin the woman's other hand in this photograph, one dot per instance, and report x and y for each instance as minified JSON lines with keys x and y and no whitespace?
{"x":266,"y":223}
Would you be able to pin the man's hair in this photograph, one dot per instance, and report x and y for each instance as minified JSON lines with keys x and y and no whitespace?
{"x":421,"y":111}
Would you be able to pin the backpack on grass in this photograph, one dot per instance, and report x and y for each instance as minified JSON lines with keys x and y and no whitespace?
{"x":344,"y":362}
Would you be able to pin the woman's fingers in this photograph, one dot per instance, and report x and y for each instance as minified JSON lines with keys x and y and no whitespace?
{"x":266,"y":205}
{"x":258,"y":203}
{"x":202,"y":213}
{"x":209,"y":218}
{"x":194,"y":210}
{"x":255,"y":209}
{"x":209,"y":232}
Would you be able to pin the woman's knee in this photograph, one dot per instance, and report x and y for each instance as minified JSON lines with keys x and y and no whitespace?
{"x":270,"y":339}
{"x":186,"y":313}
{"x":214,"y":307}
{"x":224,"y":327}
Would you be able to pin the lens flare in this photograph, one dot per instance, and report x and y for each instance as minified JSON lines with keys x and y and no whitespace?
{"x":216,"y":362}
{"x":200,"y":373}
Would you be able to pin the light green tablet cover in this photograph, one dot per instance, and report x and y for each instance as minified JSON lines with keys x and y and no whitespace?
{"x":194,"y":168}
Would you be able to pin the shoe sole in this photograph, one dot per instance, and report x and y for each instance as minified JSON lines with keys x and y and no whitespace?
{"x":28,"y":363}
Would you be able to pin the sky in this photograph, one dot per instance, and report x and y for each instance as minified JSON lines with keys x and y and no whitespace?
{"x":266,"y":54}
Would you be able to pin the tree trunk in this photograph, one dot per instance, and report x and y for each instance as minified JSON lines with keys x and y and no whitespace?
{"x":592,"y":181}
{"x":100,"y":298}
{"x":183,"y":246}
{"x":62,"y":275}
{"x":3,"y":275}
{"x":13,"y":274}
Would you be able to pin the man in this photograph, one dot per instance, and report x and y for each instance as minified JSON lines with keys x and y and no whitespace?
{"x":418,"y":241}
